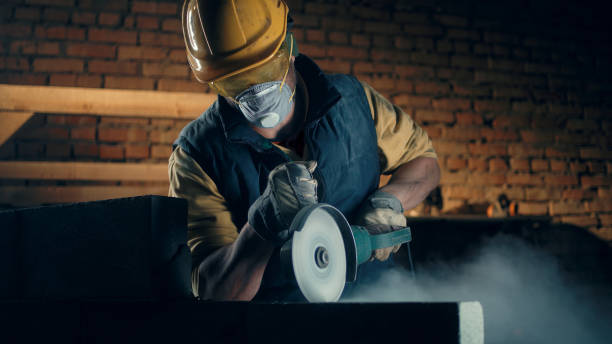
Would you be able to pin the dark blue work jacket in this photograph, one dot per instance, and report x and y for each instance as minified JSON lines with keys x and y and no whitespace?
{"x":339,"y":134}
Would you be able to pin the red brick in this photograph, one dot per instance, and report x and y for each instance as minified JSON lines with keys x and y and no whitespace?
{"x":85,"y":18}
{"x":509,"y":92}
{"x":430,"y":116}
{"x":162,"y":122}
{"x":316,"y":36}
{"x":363,"y":12}
{"x":111,"y":152}
{"x":410,"y":17}
{"x":60,"y":32}
{"x":539,"y":165}
{"x":168,"y":8}
{"x":44,"y":133}
{"x":453,"y":163}
{"x":91,"y":50}
{"x":461,"y":133}
{"x":124,"y":121}
{"x":514,"y":120}
{"x":312,"y":50}
{"x":336,"y":37}
{"x":173,"y":40}
{"x":315,"y":21}
{"x":537,"y":136}
{"x":181,"y":86}
{"x":558,"y":166}
{"x":128,"y":82}
{"x":490,"y":105}
{"x":113,"y":67}
{"x":27,"y":13}
{"x":85,"y":150}
{"x":468,"y":118}
{"x":411,"y":101}
{"x":467,"y":61}
{"x":519,"y":164}
{"x":57,"y":65}
{"x":83,"y":133}
{"x":449,"y":20}
{"x":136,"y":151}
{"x":56,"y":15}
{"x":463,"y":34}
{"x":459,"y":177}
{"x":492,"y":135}
{"x":346,"y":52}
{"x":486,"y":179}
{"x":595,"y":153}
{"x":598,"y":206}
{"x":449,"y":147}
{"x":429,"y":58}
{"x":58,"y":150}
{"x":432,"y":88}
{"x":59,"y":3}
{"x":582,"y":221}
{"x":165,"y":69}
{"x":164,"y":136}
{"x":498,"y":165}
{"x":561,"y":180}
{"x":488,"y":149}
{"x":524,"y":150}
{"x":48,"y":48}
{"x":414,"y":71}
{"x":476,"y":164}
{"x":113,"y":134}
{"x":542,"y":194}
{"x":108,"y":19}
{"x":562,"y":151}
{"x":532,"y":208}
{"x":20,"y":78}
{"x":421,"y":30}
{"x":15,"y":30}
{"x":577,"y":194}
{"x":14,"y":63}
{"x":524,"y":179}
{"x":171,"y":24}
{"x":596,"y":167}
{"x":19,"y":47}
{"x":566,"y":207}
{"x":360,"y":40}
{"x":112,"y":36}
{"x":606,"y":219}
{"x":389,"y":28}
{"x":463,"y":192}
{"x":589,"y":181}
{"x":161,"y":151}
{"x":451,"y":104}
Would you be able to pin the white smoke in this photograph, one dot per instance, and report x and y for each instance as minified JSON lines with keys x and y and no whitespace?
{"x":525,"y":296}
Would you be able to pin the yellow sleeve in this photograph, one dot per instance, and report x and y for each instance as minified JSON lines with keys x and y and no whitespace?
{"x":208,"y":219}
{"x":400,"y":139}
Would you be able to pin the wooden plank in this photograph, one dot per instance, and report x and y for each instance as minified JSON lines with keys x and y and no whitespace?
{"x":10,"y":122}
{"x":36,"y":195}
{"x":95,"y":171}
{"x":93,"y":101}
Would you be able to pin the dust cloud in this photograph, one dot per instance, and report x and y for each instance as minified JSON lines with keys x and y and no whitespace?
{"x":525,"y":296}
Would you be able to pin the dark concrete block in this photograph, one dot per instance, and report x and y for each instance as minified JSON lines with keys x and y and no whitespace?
{"x":120,"y":248}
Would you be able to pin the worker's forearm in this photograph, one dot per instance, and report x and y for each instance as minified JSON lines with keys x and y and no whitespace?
{"x":234,"y":272}
{"x":413,"y":181}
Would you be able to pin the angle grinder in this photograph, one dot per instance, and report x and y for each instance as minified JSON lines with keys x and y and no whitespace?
{"x":326,"y":250}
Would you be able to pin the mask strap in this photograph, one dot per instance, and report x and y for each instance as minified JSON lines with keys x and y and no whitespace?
{"x":287,"y":71}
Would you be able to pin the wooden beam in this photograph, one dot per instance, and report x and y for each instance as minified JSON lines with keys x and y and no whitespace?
{"x":10,"y":122}
{"x":93,"y":101}
{"x":37,"y":195}
{"x":94,"y":171}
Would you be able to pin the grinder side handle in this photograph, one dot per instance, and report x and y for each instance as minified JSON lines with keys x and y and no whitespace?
{"x":366,"y":243}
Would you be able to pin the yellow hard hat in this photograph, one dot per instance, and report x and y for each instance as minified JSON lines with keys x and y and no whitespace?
{"x":227,"y":37}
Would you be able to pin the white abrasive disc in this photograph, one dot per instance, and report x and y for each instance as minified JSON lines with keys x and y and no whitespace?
{"x":319,"y":258}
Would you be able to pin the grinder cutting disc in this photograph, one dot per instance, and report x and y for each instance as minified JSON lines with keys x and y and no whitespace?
{"x":318,"y":255}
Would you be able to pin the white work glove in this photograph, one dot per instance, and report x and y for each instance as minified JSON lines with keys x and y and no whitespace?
{"x":381,"y":213}
{"x":291,"y":187}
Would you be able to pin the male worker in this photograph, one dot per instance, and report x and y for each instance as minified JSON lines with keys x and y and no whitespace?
{"x":280,"y":136}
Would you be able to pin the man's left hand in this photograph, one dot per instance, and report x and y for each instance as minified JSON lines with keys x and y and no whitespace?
{"x":381,"y":213}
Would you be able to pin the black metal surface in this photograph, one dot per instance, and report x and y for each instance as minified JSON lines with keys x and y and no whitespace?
{"x":121,"y":248}
{"x":228,"y":322}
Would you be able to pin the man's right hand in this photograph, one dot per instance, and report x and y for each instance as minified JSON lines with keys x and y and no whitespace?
{"x":291,"y":186}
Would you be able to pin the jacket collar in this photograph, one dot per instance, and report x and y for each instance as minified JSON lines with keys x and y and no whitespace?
{"x":322,"y":96}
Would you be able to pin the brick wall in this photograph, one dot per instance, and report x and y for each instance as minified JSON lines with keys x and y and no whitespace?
{"x":516,"y":96}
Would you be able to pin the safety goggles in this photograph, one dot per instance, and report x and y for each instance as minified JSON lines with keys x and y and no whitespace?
{"x":275,"y":69}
